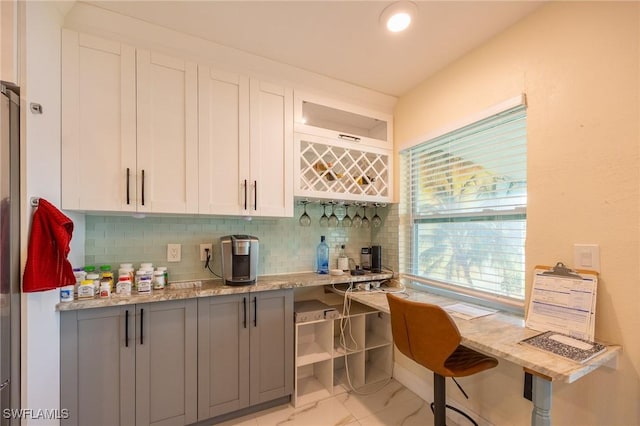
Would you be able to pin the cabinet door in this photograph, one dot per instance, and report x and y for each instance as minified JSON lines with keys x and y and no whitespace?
{"x":97,"y":366}
{"x":167,"y":126}
{"x":98,"y":124}
{"x":271,"y":151}
{"x":223,"y":100}
{"x":271,"y":345}
{"x":166,"y":363}
{"x":223,"y":355}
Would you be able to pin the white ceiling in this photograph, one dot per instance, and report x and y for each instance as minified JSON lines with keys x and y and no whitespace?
{"x":340,"y":39}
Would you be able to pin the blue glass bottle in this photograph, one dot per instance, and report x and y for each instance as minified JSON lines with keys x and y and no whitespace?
{"x":322,"y":257}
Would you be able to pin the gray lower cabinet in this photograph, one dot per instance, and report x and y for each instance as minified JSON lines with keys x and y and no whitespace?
{"x":130,"y":365}
{"x":245,"y":350}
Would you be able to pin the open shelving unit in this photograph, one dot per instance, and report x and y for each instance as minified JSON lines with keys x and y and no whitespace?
{"x":334,"y":355}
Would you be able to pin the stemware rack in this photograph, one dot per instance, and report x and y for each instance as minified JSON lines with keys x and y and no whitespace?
{"x":343,"y":207}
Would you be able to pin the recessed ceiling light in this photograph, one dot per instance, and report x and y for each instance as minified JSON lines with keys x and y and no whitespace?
{"x":398,"y":16}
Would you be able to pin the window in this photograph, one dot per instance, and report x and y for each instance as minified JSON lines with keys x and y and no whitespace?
{"x":463,"y":208}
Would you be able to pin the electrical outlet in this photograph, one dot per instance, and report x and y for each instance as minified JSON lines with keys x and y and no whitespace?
{"x":203,"y":252}
{"x":586,"y":256}
{"x":174,"y":252}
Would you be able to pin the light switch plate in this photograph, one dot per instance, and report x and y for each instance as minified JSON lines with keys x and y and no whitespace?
{"x":174,"y":252}
{"x":586,"y":256}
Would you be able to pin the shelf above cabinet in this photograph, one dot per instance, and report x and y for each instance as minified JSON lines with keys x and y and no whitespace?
{"x":340,"y":120}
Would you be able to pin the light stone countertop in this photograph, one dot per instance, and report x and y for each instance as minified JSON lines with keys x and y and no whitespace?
{"x":216,"y":287}
{"x":498,"y":335}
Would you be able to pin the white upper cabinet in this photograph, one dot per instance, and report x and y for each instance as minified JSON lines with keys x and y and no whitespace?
{"x":98,"y":124}
{"x":339,"y":120}
{"x":246,"y":145}
{"x":129,"y":128}
{"x":223,"y":129}
{"x":271,"y":150}
{"x":167,"y":134}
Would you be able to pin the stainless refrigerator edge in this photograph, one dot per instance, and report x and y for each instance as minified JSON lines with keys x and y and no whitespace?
{"x":9,"y":252}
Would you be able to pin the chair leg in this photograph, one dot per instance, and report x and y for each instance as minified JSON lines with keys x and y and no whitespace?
{"x":439,"y":402}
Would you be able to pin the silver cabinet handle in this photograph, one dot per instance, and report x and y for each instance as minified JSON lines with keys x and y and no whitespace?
{"x":4,"y":384}
{"x":349,"y":137}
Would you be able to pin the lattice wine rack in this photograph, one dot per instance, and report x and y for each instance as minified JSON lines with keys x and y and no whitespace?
{"x":348,"y":173}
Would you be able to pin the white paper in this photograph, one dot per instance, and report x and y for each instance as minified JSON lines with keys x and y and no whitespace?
{"x":563,"y":304}
{"x":466,"y":311}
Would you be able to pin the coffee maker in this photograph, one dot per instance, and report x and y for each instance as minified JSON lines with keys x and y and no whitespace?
{"x":371,"y":258}
{"x":376,"y":259}
{"x":239,"y":259}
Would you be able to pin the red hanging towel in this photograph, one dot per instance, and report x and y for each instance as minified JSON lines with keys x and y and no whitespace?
{"x":47,"y":265}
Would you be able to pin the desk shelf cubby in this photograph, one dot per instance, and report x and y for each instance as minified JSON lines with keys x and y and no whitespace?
{"x":329,"y":361}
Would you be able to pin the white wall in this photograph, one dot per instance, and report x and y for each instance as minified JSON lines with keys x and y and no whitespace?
{"x":579,"y":65}
{"x":40,"y":163}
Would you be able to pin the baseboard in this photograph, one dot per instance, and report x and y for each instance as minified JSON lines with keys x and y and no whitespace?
{"x":424,"y":390}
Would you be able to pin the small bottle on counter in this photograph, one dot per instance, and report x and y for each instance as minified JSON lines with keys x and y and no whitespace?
{"x":107,"y":278}
{"x":123,"y":288}
{"x":95,"y":279}
{"x":104,"y":269}
{"x":86,"y":289}
{"x":105,"y":290}
{"x":165,"y":271}
{"x":158,"y":280}
{"x":322,"y":257}
{"x":66,"y":293}
{"x":144,"y":286}
{"x":343,"y":260}
{"x":126,"y":269}
{"x":80,"y":275}
{"x":144,"y":278}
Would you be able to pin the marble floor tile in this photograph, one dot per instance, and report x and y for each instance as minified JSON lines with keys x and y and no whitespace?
{"x":248,"y":420}
{"x":328,"y":412}
{"x":375,"y":397}
{"x":411,"y":412}
{"x":391,"y":405}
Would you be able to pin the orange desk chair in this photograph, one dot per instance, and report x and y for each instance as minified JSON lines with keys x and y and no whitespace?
{"x":427,"y":334}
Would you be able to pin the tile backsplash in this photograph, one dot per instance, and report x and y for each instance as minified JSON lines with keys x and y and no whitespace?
{"x":387,"y":236}
{"x":285,"y":246}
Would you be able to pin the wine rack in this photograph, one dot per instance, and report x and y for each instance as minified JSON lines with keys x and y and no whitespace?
{"x":342,"y":170}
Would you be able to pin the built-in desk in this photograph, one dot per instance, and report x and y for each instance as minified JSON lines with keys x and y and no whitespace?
{"x":498,"y":335}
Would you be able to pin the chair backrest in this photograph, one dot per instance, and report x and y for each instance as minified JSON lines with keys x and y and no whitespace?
{"x":423,"y":332}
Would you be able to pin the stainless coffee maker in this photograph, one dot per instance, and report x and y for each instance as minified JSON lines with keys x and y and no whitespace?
{"x":239,"y":259}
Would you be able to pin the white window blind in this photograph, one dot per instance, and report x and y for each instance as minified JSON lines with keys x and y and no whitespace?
{"x":463,"y":208}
